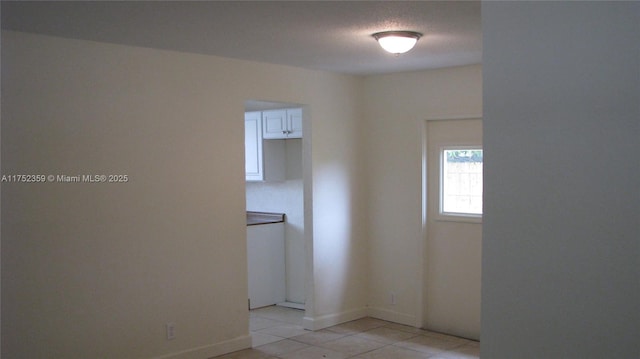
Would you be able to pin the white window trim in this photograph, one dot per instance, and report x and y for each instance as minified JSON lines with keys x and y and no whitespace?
{"x":453,"y":216}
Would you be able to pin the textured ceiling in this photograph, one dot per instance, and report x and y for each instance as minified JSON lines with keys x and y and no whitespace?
{"x":324,"y":35}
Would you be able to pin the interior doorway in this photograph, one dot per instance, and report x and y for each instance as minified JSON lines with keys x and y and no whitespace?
{"x":453,"y":153}
{"x":281,"y":194}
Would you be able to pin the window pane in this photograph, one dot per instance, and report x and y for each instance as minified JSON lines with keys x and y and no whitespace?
{"x":461,"y":180}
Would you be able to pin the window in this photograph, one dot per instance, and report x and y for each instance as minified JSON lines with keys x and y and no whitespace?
{"x":461,"y":181}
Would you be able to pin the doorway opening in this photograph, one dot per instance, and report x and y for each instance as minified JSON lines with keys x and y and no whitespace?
{"x":274,"y":158}
{"x":452,"y":216}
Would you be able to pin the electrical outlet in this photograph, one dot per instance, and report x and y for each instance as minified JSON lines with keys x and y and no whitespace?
{"x":392,"y":298}
{"x":171,"y":331}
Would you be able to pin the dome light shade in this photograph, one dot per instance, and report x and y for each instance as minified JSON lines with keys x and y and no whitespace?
{"x":397,"y":42}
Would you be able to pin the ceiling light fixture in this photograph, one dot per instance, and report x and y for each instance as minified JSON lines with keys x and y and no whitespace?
{"x":397,"y":42}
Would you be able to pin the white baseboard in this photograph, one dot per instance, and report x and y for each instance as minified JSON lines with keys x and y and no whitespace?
{"x":393,"y":316}
{"x":329,"y":320}
{"x":212,"y":350}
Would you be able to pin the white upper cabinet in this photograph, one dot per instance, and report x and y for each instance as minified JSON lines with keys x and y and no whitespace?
{"x":282,"y":124}
{"x":264,"y":160}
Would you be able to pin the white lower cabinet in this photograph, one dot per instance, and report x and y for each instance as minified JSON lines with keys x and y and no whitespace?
{"x":266,"y":264}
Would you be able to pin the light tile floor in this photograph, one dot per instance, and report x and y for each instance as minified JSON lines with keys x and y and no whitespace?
{"x":278,"y":334}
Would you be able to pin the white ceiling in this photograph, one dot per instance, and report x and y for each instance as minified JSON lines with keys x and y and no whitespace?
{"x":324,"y":35}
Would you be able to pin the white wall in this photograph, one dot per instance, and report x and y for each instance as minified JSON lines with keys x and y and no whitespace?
{"x":396,"y":107}
{"x":338,"y":291}
{"x":286,"y":197}
{"x":561,"y":246}
{"x":96,"y":270}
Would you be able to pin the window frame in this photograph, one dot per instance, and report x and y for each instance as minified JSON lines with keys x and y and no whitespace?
{"x":455,"y":216}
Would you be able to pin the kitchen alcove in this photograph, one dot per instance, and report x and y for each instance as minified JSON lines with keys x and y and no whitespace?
{"x":282,"y":194}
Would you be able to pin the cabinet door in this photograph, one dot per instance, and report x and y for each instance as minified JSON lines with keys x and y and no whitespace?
{"x":274,"y":124}
{"x":253,"y":146}
{"x":266,"y":264}
{"x":294,"y":123}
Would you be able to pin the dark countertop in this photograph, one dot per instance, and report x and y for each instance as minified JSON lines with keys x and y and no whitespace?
{"x":255,"y":218}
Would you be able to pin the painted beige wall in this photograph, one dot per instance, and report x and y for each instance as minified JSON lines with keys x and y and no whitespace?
{"x":396,"y":107}
{"x":96,"y":270}
{"x":339,"y":244}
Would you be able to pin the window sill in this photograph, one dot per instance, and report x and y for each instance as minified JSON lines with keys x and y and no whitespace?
{"x":458,"y":218}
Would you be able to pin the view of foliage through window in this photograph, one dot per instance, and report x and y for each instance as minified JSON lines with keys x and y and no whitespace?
{"x":464,"y":155}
